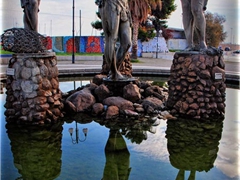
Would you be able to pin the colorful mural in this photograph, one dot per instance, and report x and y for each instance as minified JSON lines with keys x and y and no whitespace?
{"x":57,"y":44}
{"x":89,"y":44}
{"x":95,"y":44}
{"x":49,"y":42}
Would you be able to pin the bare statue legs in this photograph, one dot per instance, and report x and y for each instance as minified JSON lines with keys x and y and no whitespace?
{"x":30,"y":17}
{"x":115,"y":27}
{"x":193,"y":18}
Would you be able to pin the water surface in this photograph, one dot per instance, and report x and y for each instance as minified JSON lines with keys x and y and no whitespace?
{"x":161,"y":150}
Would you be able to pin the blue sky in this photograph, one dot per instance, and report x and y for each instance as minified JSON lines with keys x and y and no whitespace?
{"x":55,"y":16}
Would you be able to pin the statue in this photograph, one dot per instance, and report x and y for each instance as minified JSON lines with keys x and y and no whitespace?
{"x":116,"y":22}
{"x":30,"y":17}
{"x":193,"y":18}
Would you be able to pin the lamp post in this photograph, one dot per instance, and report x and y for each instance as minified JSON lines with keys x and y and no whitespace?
{"x":157,"y":43}
{"x":157,"y":34}
{"x":73,"y":41}
{"x":157,"y":26}
{"x":77,"y":139}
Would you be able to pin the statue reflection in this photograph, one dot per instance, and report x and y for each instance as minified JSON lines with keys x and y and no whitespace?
{"x":117,"y":157}
{"x":117,"y":164}
{"x":36,"y":150}
{"x":193,"y":145}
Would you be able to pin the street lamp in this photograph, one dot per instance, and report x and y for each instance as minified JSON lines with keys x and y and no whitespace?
{"x":77,"y":139}
{"x":157,"y":34}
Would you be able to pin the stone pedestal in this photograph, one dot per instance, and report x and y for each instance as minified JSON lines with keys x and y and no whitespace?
{"x":197,"y":85}
{"x":33,"y":94}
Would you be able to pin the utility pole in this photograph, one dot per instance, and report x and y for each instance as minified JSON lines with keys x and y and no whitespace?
{"x":50,"y":28}
{"x":80,"y":28}
{"x":73,"y":36}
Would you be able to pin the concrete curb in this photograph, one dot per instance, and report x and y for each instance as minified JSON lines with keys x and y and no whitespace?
{"x":91,"y":65}
{"x":230,"y":76}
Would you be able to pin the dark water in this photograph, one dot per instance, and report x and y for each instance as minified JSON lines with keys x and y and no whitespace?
{"x":139,"y":151}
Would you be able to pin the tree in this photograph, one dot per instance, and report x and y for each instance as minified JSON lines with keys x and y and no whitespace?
{"x":160,"y":16}
{"x":167,"y":7}
{"x":214,"y":29}
{"x":139,"y":10}
{"x":160,"y":11}
{"x":145,"y":33}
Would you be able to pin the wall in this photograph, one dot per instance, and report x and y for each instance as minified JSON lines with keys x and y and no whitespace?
{"x":177,"y":44}
{"x":95,"y":44}
{"x":83,"y":44}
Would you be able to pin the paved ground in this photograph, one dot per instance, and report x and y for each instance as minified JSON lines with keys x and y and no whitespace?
{"x":149,"y":66}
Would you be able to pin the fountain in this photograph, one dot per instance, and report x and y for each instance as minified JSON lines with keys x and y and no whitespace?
{"x":123,"y":104}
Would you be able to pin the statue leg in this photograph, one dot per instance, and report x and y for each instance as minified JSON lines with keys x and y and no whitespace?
{"x":31,"y":15}
{"x":188,"y":23}
{"x":180,"y":175}
{"x":192,"y":175}
{"x":110,"y":22}
{"x":26,"y":22}
{"x":199,"y":21}
{"x":34,"y":14}
{"x":125,"y":42}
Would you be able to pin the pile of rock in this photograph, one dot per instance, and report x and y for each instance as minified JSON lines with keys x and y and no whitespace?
{"x":197,"y":85}
{"x":33,"y":94}
{"x":137,"y":98}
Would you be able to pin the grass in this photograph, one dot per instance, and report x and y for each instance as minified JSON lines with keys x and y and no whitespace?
{"x":135,"y":61}
{"x":79,"y":54}
{"x":3,"y":52}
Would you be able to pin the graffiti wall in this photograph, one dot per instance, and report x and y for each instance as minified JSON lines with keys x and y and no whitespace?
{"x":95,"y":44}
{"x":84,"y":44}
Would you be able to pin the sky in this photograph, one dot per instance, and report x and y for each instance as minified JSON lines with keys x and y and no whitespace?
{"x":55,"y":17}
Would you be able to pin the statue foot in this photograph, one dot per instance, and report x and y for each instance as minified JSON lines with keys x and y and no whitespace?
{"x":189,"y":48}
{"x":116,"y":77}
{"x":212,"y":51}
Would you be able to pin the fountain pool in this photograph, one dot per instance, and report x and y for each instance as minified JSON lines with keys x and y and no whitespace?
{"x":161,"y":150}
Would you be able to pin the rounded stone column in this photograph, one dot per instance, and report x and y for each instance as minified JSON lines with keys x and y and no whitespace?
{"x":33,"y":94}
{"x":197,"y":85}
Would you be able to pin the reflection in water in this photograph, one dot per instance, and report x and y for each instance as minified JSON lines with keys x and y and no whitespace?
{"x":36,"y":150}
{"x":116,"y":151}
{"x":136,"y":131}
{"x":117,"y":157}
{"x":193,"y":145}
{"x":77,"y":138}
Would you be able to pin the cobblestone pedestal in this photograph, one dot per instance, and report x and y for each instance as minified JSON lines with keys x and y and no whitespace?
{"x":197,"y":85}
{"x":33,"y":94}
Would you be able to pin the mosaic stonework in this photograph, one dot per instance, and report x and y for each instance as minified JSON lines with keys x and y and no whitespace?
{"x":197,"y":85}
{"x":33,"y":94}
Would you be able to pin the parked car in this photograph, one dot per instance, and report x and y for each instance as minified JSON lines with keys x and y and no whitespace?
{"x":236,"y":52}
{"x":227,"y":49}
